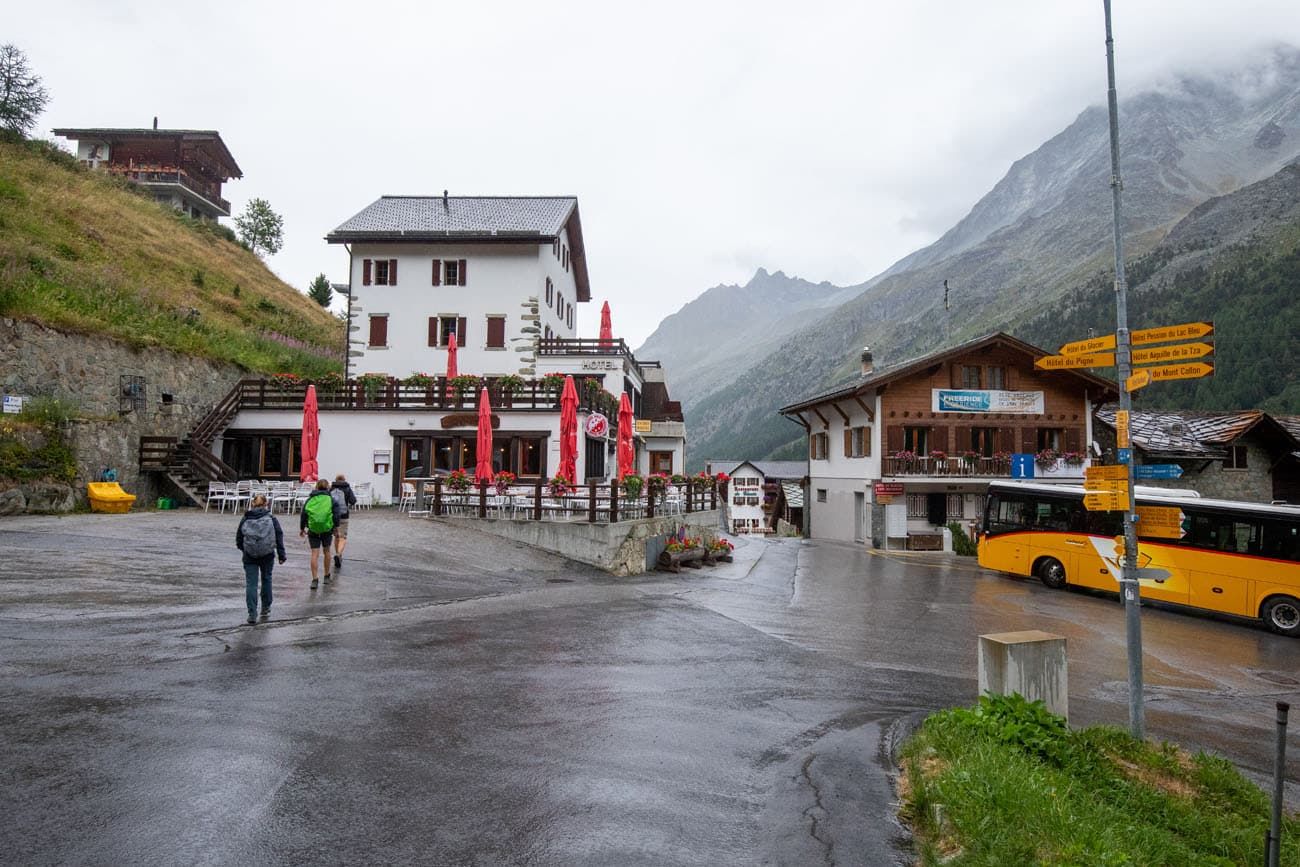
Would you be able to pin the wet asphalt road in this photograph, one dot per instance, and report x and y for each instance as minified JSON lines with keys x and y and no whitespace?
{"x":454,"y":699}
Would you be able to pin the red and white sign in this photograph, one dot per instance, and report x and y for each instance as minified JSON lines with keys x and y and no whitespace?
{"x":597,"y":425}
{"x":888,"y":489}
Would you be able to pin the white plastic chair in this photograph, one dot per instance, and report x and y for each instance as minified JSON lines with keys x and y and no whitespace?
{"x":365,"y":493}
{"x":241,"y":493}
{"x":301,"y":494}
{"x":281,"y":495}
{"x":216,"y":494}
{"x":407,"y":500}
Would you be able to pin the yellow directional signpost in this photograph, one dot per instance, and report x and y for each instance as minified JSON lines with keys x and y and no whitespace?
{"x":1068,"y":362}
{"x":1177,"y":352}
{"x":1121,"y":432}
{"x":1138,"y":379}
{"x":1089,"y":346}
{"x":1105,"y":502}
{"x":1105,"y":488}
{"x":1192,"y":370}
{"x":1161,"y":522}
{"x":1170,"y":333}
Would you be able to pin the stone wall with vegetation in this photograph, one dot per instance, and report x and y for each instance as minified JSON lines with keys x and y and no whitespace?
{"x":81,"y":375}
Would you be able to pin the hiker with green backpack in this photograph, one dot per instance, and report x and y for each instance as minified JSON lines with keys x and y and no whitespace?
{"x":320,"y":514}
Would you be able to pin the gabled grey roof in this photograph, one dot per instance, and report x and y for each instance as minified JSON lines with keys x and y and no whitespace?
{"x":1174,"y":433}
{"x":793,"y":494}
{"x":782,"y":469}
{"x":402,"y":218}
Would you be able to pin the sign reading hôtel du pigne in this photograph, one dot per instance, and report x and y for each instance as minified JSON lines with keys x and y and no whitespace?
{"x":980,"y":400}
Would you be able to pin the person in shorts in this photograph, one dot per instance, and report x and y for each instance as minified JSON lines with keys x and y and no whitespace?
{"x":344,"y":500}
{"x":319,"y":518}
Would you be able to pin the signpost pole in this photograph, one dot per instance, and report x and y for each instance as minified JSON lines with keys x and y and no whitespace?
{"x":1129,"y":586}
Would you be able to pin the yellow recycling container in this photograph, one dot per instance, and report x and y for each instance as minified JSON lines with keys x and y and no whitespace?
{"x":109,"y":497}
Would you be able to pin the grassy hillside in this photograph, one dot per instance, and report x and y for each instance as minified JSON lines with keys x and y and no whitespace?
{"x":83,"y":252}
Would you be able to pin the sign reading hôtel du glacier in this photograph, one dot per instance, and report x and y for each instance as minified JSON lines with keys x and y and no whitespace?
{"x":981,"y":400}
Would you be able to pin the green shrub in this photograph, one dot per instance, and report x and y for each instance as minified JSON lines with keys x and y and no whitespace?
{"x":962,"y":545}
{"x":49,"y":412}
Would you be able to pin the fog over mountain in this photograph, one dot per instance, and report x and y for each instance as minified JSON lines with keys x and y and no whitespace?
{"x":739,"y":353}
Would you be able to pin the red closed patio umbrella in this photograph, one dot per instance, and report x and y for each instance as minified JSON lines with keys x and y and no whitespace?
{"x":310,"y":470}
{"x":451,"y":356}
{"x":626,"y":422}
{"x":483,"y":466}
{"x":606,"y":327}
{"x":569,"y":431}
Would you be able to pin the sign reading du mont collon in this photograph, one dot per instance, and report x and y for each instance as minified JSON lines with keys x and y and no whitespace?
{"x":979,"y":400}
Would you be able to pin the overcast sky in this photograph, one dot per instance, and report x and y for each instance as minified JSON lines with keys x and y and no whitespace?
{"x":703,"y":140}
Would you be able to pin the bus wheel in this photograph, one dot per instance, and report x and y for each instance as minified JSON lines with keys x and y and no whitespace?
{"x":1052,"y":573}
{"x":1282,"y":614}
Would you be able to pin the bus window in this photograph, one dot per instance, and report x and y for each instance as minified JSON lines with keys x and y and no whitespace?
{"x":1280,"y":540}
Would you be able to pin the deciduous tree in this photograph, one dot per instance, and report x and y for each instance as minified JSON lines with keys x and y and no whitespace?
{"x":261,"y":228}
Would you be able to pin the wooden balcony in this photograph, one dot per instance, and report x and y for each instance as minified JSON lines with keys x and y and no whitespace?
{"x":588,"y":347}
{"x":396,"y":396}
{"x":170,"y":175}
{"x":959,"y":467}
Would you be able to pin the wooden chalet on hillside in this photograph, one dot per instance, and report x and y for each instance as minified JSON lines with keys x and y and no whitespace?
{"x":184,"y":168}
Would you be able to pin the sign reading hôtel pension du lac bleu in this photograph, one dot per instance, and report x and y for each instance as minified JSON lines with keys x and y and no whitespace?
{"x":981,"y":400}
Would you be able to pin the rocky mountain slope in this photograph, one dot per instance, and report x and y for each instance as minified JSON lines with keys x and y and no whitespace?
{"x":1041,"y":231}
{"x":757,"y":316}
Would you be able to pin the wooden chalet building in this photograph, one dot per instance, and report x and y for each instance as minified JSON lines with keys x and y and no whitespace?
{"x":901,"y":451}
{"x":184,"y":168}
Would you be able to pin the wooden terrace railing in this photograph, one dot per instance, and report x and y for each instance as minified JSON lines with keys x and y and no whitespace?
{"x":395,"y":395}
{"x":595,"y":503}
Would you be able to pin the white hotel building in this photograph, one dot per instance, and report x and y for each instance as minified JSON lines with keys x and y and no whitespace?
{"x":505,"y":276}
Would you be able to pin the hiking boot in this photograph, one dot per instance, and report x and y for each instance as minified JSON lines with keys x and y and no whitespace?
{"x":251,"y":619}
{"x":266,"y":612}
{"x":314,"y":583}
{"x":338,"y":561}
{"x":328,"y":577}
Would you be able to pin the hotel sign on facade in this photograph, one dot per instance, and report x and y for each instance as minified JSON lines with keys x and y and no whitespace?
{"x":981,"y":400}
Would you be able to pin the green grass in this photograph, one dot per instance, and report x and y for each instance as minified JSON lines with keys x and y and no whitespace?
{"x":83,"y":252}
{"x":1009,"y":783}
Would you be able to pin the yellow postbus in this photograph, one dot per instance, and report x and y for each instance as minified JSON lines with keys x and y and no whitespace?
{"x":1235,"y":558}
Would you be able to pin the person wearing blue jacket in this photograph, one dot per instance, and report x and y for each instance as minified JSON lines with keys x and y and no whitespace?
{"x":261,"y":540}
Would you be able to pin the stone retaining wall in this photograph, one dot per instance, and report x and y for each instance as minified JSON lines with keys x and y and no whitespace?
{"x":620,"y":549}
{"x":86,"y":369}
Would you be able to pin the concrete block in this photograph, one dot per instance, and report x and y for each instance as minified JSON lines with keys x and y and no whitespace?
{"x":1032,"y":663}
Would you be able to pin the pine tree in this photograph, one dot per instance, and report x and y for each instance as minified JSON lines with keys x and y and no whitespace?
{"x":320,"y":291}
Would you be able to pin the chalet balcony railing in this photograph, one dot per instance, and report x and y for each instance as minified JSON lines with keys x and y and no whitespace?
{"x":587,"y":347}
{"x":974,"y":467}
{"x":927,"y":466}
{"x":170,"y":175}
{"x":394,"y":396}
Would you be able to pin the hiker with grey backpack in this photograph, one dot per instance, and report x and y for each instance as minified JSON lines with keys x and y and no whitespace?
{"x":320,"y":515}
{"x":261,"y":540}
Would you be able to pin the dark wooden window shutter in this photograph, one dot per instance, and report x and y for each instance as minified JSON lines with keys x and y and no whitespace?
{"x":812,"y":446}
{"x":939,"y":439}
{"x":965,"y":441}
{"x":378,"y":330}
{"x":1006,"y":439}
{"x":462,"y":338}
{"x":866,"y":442}
{"x":1073,"y":439}
{"x":433,"y":330}
{"x":460,"y":272}
{"x":365,"y":272}
{"x":496,"y":332}
{"x":392,"y":272}
{"x":955,"y":375}
{"x":848,"y":442}
{"x":437,"y":272}
{"x":1029,"y":440}
{"x":894,"y":436}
